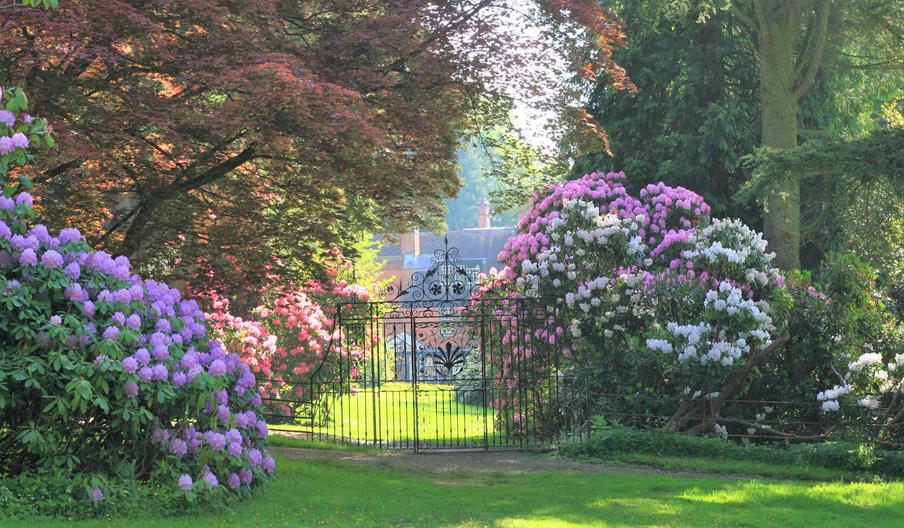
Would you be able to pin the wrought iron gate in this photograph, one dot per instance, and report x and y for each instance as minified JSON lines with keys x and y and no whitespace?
{"x":442,"y":365}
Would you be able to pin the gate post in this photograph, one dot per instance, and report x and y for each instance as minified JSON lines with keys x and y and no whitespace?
{"x":370,"y":343}
{"x":417,"y":441}
{"x":483,"y":374}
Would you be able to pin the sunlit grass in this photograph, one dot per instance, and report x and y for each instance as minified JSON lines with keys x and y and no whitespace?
{"x":331,"y":494}
{"x":433,"y":416}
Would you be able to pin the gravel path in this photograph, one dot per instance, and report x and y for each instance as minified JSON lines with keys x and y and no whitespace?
{"x":506,"y":462}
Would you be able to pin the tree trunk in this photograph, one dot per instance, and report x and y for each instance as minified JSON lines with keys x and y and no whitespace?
{"x":779,"y":24}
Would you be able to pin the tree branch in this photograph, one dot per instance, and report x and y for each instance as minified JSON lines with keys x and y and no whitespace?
{"x":56,"y":171}
{"x":745,"y":18}
{"x":218,"y":171}
{"x":818,"y":45}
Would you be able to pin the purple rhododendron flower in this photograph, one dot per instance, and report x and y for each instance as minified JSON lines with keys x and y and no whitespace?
{"x":73,"y":292}
{"x":269,"y":464}
{"x":51,"y":259}
{"x":70,"y":234}
{"x":179,"y":379}
{"x":7,"y":203}
{"x":211,"y":479}
{"x":262,"y":430}
{"x":28,"y":257}
{"x":160,"y":372}
{"x":143,"y":356}
{"x":208,"y":476}
{"x":97,"y":495}
{"x":24,"y":198}
{"x":246,"y":475}
{"x":146,"y":374}
{"x":73,"y":271}
{"x":41,"y":233}
{"x":19,"y":140}
{"x":223,"y":413}
{"x":7,"y":118}
{"x":111,"y":333}
{"x":130,"y":365}
{"x":234,"y":481}
{"x":217,"y":368}
{"x":233,"y":435}
{"x":161,"y":352}
{"x":56,"y":320}
{"x":216,"y":440}
{"x":235,"y":449}
{"x":119,"y":318}
{"x":185,"y":482}
{"x":179,"y":447}
{"x":255,"y":456}
{"x":130,"y":388}
{"x":134,"y":321}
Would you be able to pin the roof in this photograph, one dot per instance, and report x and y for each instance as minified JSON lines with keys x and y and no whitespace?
{"x":473,"y":244}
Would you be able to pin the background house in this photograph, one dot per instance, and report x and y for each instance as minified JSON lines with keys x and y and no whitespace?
{"x":479,"y":247}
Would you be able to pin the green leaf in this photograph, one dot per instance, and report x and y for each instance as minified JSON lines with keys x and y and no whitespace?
{"x":18,"y":103}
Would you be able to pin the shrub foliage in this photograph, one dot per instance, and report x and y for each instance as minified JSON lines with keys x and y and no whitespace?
{"x":103,"y":372}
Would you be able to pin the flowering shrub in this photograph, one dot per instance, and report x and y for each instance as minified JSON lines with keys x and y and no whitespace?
{"x":866,"y":387}
{"x":104,"y":372}
{"x":288,"y":339}
{"x":19,"y":130}
{"x":657,"y":299}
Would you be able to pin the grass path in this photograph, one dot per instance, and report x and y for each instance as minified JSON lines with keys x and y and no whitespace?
{"x":336,"y":488}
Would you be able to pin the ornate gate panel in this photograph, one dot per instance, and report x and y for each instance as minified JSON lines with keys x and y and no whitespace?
{"x":440,"y":367}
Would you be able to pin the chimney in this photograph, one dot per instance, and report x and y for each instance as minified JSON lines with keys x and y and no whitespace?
{"x":411,"y":242}
{"x":483,"y":215}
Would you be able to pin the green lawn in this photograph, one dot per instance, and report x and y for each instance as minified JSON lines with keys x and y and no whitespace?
{"x":441,"y":419}
{"x":322,"y":493}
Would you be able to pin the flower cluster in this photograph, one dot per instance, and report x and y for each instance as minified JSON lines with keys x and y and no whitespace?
{"x":651,"y":274}
{"x":125,"y":358}
{"x":19,"y":130}
{"x":288,"y":339}
{"x":874,"y":381}
{"x":256,"y":346}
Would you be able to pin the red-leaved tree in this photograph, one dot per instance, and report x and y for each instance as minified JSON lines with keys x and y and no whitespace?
{"x":253,"y":135}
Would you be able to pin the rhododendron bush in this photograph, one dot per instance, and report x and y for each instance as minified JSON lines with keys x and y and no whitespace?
{"x":661,"y":305}
{"x":104,"y":372}
{"x":866,"y":386}
{"x":286,"y":340}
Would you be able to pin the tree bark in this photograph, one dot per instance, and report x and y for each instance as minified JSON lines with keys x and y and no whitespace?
{"x":779,"y":24}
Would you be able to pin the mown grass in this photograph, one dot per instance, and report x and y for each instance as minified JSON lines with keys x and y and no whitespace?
{"x":440,"y":418}
{"x":733,"y":467}
{"x":321,"y":493}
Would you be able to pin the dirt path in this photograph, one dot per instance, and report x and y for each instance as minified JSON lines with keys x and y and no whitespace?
{"x":506,"y":462}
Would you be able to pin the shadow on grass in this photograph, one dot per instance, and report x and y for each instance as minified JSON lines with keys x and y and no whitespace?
{"x":321,"y":493}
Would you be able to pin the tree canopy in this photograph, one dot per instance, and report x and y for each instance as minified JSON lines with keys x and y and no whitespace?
{"x":699,"y":105}
{"x":243,"y":140}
